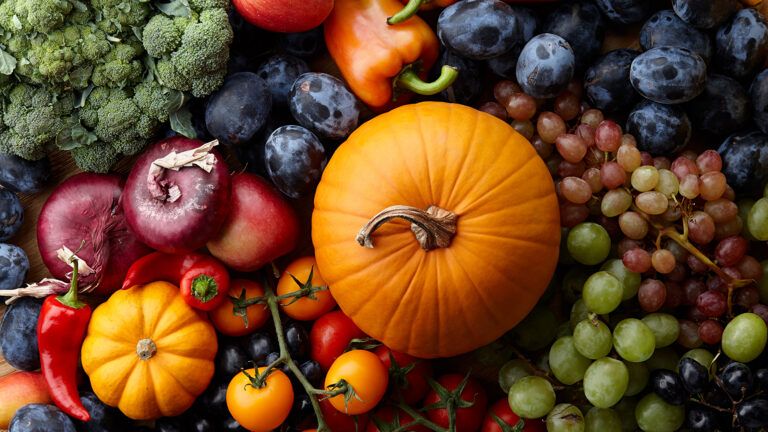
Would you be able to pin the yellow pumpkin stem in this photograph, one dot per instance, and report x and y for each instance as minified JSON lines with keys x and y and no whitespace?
{"x":434,"y":228}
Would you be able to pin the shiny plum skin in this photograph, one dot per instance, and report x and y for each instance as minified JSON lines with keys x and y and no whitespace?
{"x":665,"y":28}
{"x":741,"y":45}
{"x":18,"y":334}
{"x":606,"y":82}
{"x":705,"y":14}
{"x":239,"y":109}
{"x":659,"y":129}
{"x":479,"y":29}
{"x":582,"y":25}
{"x":467,"y":86}
{"x":14,"y":266}
{"x":745,"y":160}
{"x":625,"y":11}
{"x":546,"y":66}
{"x":40,"y":418}
{"x":323,"y":104}
{"x":279,"y":73}
{"x":758,"y":93}
{"x":295,"y":159}
{"x":23,"y":176}
{"x":11,"y":214}
{"x":505,"y":64}
{"x":722,"y":108}
{"x":668,"y":75}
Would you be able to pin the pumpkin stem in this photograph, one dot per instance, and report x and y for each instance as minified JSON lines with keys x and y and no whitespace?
{"x":406,"y":12}
{"x":146,"y":348}
{"x":434,"y":228}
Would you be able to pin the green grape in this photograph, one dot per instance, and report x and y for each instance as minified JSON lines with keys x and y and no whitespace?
{"x":602,"y":420}
{"x":630,"y":280}
{"x":757,"y":221}
{"x":633,"y":340}
{"x":565,"y":418}
{"x":605,"y":382}
{"x":638,"y":378}
{"x":663,"y":358}
{"x":626,"y":410}
{"x":655,"y":415}
{"x":744,"y":337}
{"x":665,"y":328}
{"x":531,"y":397}
{"x":537,"y":330}
{"x":602,"y":293}
{"x":762,"y":284}
{"x":701,"y":355}
{"x":745,"y":205}
{"x":512,"y":371}
{"x":573,"y":281}
{"x":592,"y":338}
{"x":566,"y":363}
{"x":579,"y":312}
{"x":589,"y":243}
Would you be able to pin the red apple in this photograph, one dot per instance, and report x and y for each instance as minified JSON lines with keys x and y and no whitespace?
{"x":19,"y":389}
{"x":284,"y":16}
{"x":260,"y":227}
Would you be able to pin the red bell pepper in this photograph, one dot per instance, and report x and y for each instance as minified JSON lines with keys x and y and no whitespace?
{"x":60,"y":332}
{"x":202,"y":279}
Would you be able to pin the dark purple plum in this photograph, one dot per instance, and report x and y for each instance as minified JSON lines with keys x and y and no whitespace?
{"x":545,"y":66}
{"x":665,"y":28}
{"x":606,"y":82}
{"x":745,"y":160}
{"x":705,"y":14}
{"x":661,"y":130}
{"x":305,"y":44}
{"x":741,"y":45}
{"x":505,"y":65}
{"x":467,"y":86}
{"x":14,"y":266}
{"x":23,"y":176}
{"x":625,"y":11}
{"x":722,"y":108}
{"x":18,"y":334}
{"x":753,"y":413}
{"x":582,"y":25}
{"x":323,"y":104}
{"x":758,"y":92}
{"x":295,"y":160}
{"x":479,"y":29}
{"x":279,"y":72}
{"x":40,"y":418}
{"x":239,"y":109}
{"x":668,"y":75}
{"x":11,"y":214}
{"x":103,"y":417}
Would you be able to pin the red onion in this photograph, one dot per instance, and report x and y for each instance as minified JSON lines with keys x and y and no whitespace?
{"x":177,"y":195}
{"x":83,"y":216}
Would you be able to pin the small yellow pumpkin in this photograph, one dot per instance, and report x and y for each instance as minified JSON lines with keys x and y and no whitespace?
{"x":148,"y":353}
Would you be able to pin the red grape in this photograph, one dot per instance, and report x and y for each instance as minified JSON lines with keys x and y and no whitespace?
{"x":651,"y":295}
{"x":663,"y":261}
{"x":613,"y":175}
{"x":567,"y":169}
{"x":608,"y":136}
{"x":503,"y":90}
{"x":710,"y":332}
{"x":730,"y":250}
{"x":573,"y":214}
{"x":592,"y":117}
{"x":543,"y":149}
{"x":750,"y":268}
{"x":708,"y":161}
{"x":712,"y":185}
{"x":701,"y":228}
{"x":521,"y":106}
{"x":693,"y":289}
{"x":712,"y":303}
{"x":675,"y":295}
{"x":637,"y":260}
{"x":575,"y":190}
{"x":592,"y":177}
{"x":682,"y":166}
{"x":689,"y":334}
{"x":571,"y":147}
{"x":567,"y":105}
{"x":696,"y":265}
{"x":550,"y":126}
{"x":587,"y":133}
{"x":494,"y":109}
{"x":721,"y":210}
{"x":761,"y":310}
{"x":747,"y":296}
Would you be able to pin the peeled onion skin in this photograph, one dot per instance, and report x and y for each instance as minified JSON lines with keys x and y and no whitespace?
{"x":84,"y":214}
{"x":197,"y":215}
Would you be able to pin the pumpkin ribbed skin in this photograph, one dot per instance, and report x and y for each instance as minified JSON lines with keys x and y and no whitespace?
{"x":450,"y":300}
{"x":167,"y":383}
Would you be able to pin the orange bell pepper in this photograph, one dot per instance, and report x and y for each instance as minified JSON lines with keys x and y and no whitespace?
{"x":411,"y":6}
{"x":378,"y":59}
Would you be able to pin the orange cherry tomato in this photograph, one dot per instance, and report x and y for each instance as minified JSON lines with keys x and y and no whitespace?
{"x":260,"y":409}
{"x":295,"y":278}
{"x":227,"y":317}
{"x":365,"y":374}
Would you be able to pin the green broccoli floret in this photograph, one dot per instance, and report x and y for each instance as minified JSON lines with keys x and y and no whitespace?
{"x":97,"y":157}
{"x":121,"y":67}
{"x":34,"y":15}
{"x":160,"y":36}
{"x":156,"y":101}
{"x":118,"y":16}
{"x":33,"y":118}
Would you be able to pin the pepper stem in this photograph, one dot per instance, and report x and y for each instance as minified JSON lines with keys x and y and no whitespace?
{"x":409,"y":80}
{"x":70,"y":298}
{"x":406,"y":12}
{"x":204,"y":288}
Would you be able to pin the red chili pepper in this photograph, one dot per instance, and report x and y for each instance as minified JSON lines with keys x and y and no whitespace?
{"x":203,"y":280}
{"x":60,"y":333}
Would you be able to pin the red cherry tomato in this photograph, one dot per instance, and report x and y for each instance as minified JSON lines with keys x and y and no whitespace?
{"x":502,"y":410}
{"x":337,"y":421}
{"x":388,"y":416}
{"x":330,"y":337}
{"x":468,"y":419}
{"x":413,"y":385}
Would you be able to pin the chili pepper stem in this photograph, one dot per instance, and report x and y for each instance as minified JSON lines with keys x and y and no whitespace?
{"x":204,"y":288}
{"x":409,"y":80}
{"x":70,"y":298}
{"x":406,"y":12}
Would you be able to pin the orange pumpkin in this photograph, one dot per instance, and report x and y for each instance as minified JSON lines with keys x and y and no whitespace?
{"x":437,"y":228}
{"x":148,"y":353}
